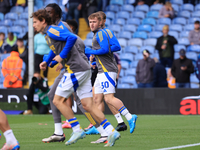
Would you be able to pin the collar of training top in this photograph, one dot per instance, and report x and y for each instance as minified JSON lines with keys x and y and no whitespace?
{"x":57,"y":22}
{"x":45,"y":29}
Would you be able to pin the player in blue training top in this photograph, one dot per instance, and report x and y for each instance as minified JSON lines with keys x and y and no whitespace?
{"x":76,"y":77}
{"x":107,"y":69}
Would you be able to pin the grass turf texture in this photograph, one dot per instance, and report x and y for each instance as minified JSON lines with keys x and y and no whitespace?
{"x":152,"y":132}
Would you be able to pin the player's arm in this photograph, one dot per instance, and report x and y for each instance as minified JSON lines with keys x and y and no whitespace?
{"x":114,"y":44}
{"x":49,"y":57}
{"x":59,"y":34}
{"x":103,"y":42}
{"x":52,"y":63}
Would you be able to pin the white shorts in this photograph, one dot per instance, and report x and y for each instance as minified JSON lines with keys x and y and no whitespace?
{"x":105,"y":83}
{"x":78,"y":82}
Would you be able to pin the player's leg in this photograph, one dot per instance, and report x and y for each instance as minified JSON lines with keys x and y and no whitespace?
{"x":66,"y":123}
{"x":11,"y":141}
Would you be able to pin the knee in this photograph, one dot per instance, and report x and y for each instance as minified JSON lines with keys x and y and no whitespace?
{"x":96,"y":100}
{"x":108,"y":99}
{"x":55,"y":102}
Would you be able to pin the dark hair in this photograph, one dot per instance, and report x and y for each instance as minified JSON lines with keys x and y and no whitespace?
{"x":41,"y":15}
{"x":196,"y":22}
{"x":20,"y":39}
{"x":2,"y":33}
{"x":10,"y":33}
{"x":72,"y":23}
{"x":56,"y":8}
{"x":14,"y":48}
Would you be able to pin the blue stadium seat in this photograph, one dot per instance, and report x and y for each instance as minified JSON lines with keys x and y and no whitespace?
{"x":115,"y":28}
{"x":138,"y":14}
{"x":50,"y":1}
{"x":193,"y":19}
{"x":123,"y":15}
{"x":119,"y":21}
{"x":176,"y":55}
{"x":135,"y":42}
{"x":166,"y":21}
{"x":156,"y":55}
{"x":4,"y":29}
{"x":144,"y":8}
{"x":150,"y":41}
{"x":90,"y":35}
{"x":140,"y":34}
{"x":21,"y":22}
{"x":134,"y":64}
{"x":155,"y":34}
{"x":197,"y":7}
{"x":125,"y":64}
{"x":175,"y":27}
{"x":185,"y":14}
{"x":121,"y":74}
{"x":88,"y":42}
{"x":150,"y":21}
{"x":7,"y":23}
{"x":178,"y":2}
{"x":125,"y":34}
{"x":131,"y":49}
{"x":123,"y":86}
{"x":23,"y":15}
{"x":196,"y":14}
{"x":1,"y":16}
{"x":193,"y":78}
{"x":144,"y":27}
{"x":178,"y":47}
{"x":179,"y":20}
{"x":175,"y":7}
{"x":192,"y":55}
{"x":116,"y":2}
{"x":110,"y":15}
{"x":193,"y":48}
{"x":184,"y":34}
{"x":158,"y":27}
{"x":134,"y":21}
{"x":122,"y":42}
{"x":188,"y":7}
{"x":11,"y":16}
{"x":130,"y":72}
{"x":130,"y":1}
{"x":127,"y":57}
{"x":183,"y":41}
{"x":129,"y":27}
{"x":149,"y":48}
{"x":17,"y":9}
{"x":4,"y":56}
{"x":189,"y":27}
{"x":35,"y":8}
{"x":138,"y":56}
{"x":128,"y":8}
{"x":156,"y":7}
{"x":175,"y":34}
{"x":16,"y":30}
{"x":39,"y":3}
{"x":114,"y":8}
{"x":153,"y":14}
{"x":107,"y":23}
{"x":194,"y":85}
{"x":129,"y":80}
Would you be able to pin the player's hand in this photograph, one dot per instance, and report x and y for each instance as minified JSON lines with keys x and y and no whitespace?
{"x":60,"y":66}
{"x":43,"y":65}
{"x":91,"y":58}
{"x":58,"y":58}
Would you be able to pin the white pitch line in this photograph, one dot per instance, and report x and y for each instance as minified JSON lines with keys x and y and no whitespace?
{"x":178,"y":147}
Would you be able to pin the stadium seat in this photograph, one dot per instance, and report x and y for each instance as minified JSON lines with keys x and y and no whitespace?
{"x":125,"y":64}
{"x":131,"y":49}
{"x":23,"y":15}
{"x":158,"y":27}
{"x":140,"y":34}
{"x":129,"y":27}
{"x":178,"y":47}
{"x":129,"y":80}
{"x":39,"y":3}
{"x":150,"y":41}
{"x":21,"y":22}
{"x":193,"y":19}
{"x":88,"y":42}
{"x":197,"y":7}
{"x":138,"y":14}
{"x":178,"y":2}
{"x":7,"y":23}
{"x":135,"y":42}
{"x":183,"y":41}
{"x":179,"y":20}
{"x":119,"y":21}
{"x":176,"y":55}
{"x":115,"y":28}
{"x":144,"y":27}
{"x":4,"y":29}
{"x":193,"y":48}
{"x":35,"y":8}
{"x":130,"y":72}
{"x":184,"y":34}
{"x":113,"y":8}
{"x":149,"y":48}
{"x":144,"y":8}
{"x":166,"y":21}
{"x":188,"y":7}
{"x":175,"y":27}
{"x":127,"y":57}
{"x":156,"y":7}
{"x":121,"y":74}
{"x":175,"y":34}
{"x":193,"y":78}
{"x":130,"y":1}
{"x":155,"y":34}
{"x":138,"y":56}
{"x":123,"y":86}
{"x":175,"y":7}
{"x":122,"y":42}
{"x":90,"y":35}
{"x":194,"y":85}
{"x":116,"y":2}
{"x":125,"y":34}
{"x":110,"y":15}
{"x":107,"y":23}
{"x":4,"y":56}
{"x":17,"y":9}
{"x":123,"y":14}
{"x":1,"y":16}
{"x":150,"y":21}
{"x":155,"y":55}
{"x":134,"y":64}
{"x":134,"y":21}
{"x":189,"y":27}
{"x":11,"y":16}
{"x":185,"y":14}
{"x":153,"y":14}
{"x":196,"y":14}
{"x":128,"y":8}
{"x":50,"y":1}
{"x":16,"y":30}
{"x":192,"y":55}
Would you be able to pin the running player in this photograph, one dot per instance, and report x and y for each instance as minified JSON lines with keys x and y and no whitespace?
{"x":76,"y":77}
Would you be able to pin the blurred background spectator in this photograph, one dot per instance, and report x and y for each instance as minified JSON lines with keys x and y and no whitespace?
{"x":171,"y":80}
{"x":182,"y":68}
{"x":197,"y":69}
{"x":166,"y":11}
{"x":2,"y":40}
{"x":194,"y":35}
{"x":22,"y":3}
{"x":4,"y":6}
{"x":10,"y":41}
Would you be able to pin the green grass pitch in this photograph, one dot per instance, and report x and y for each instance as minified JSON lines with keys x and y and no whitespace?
{"x":152,"y":132}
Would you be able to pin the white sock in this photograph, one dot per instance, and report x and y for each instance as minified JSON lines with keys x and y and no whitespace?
{"x":109,"y":129}
{"x":102,"y":131}
{"x":10,"y":137}
{"x":119,"y":118}
{"x":66,"y":120}
{"x":76,"y":128}
{"x":126,"y":113}
{"x":58,"y":129}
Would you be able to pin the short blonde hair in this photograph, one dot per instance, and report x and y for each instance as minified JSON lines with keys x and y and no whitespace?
{"x":166,"y":27}
{"x":95,"y":15}
{"x":168,"y":4}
